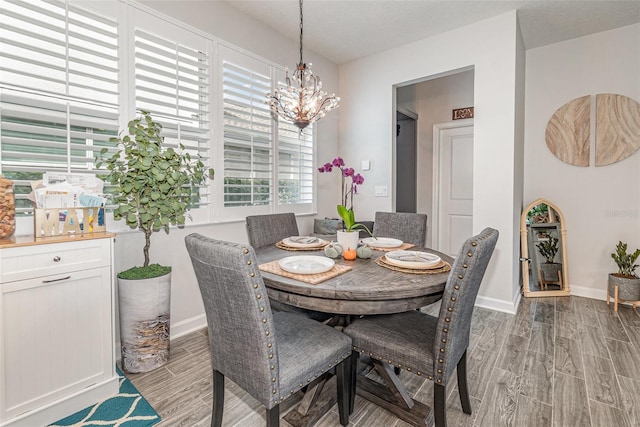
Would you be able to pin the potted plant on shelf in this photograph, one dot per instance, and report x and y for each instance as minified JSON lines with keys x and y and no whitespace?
{"x":350,"y":180}
{"x":625,"y":284}
{"x":550,"y":269}
{"x":154,"y":186}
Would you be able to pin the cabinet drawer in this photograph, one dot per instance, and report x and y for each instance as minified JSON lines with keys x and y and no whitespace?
{"x":27,"y":262}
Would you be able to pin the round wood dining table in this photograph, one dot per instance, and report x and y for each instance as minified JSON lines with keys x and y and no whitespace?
{"x":367,"y":288}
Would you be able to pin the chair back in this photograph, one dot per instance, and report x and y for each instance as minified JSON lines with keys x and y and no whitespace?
{"x":264,"y":230}
{"x":461,"y":290}
{"x":239,"y":319}
{"x":408,"y":227}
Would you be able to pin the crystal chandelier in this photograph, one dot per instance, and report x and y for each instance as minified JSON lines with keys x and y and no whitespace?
{"x":302,"y":101}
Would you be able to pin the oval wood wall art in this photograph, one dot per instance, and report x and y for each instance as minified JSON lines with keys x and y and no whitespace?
{"x":568,"y":132}
{"x":617,"y":128}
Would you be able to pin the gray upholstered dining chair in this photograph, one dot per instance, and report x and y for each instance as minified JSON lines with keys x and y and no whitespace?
{"x":264,"y":230}
{"x":426,"y":345}
{"x":408,"y":227}
{"x":269,"y":355}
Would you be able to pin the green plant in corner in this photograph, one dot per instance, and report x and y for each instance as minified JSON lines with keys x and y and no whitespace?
{"x":154,"y":186}
{"x":548,"y":249}
{"x":625,"y":261}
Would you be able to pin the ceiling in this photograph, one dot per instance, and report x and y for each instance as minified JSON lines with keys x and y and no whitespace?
{"x":344,"y":30}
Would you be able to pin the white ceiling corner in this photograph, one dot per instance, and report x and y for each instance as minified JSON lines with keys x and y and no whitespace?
{"x":344,"y":30}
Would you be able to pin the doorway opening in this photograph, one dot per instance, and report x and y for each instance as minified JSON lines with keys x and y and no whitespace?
{"x":432,"y":100}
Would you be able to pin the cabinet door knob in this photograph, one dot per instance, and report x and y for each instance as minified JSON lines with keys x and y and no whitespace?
{"x":56,"y":258}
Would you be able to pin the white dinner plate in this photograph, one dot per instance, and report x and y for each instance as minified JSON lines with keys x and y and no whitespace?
{"x":412,"y":259}
{"x":303,"y":242}
{"x":306,"y":264}
{"x":382,"y":242}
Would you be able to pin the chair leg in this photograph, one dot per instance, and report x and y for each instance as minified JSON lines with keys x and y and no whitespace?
{"x":273,"y":416}
{"x":218,"y":399}
{"x":440,"y":405}
{"x":344,"y":385}
{"x":354,"y":377}
{"x":462,"y":384}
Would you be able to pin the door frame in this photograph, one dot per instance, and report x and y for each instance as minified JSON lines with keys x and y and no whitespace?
{"x":411,"y":115}
{"x":435,"y":202}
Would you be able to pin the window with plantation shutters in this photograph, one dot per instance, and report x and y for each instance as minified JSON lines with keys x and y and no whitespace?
{"x":58,"y":90}
{"x":266,"y":162}
{"x":172,"y":83}
{"x":295,"y":164}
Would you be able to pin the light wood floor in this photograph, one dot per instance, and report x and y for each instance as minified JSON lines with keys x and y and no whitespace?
{"x":565,"y":361}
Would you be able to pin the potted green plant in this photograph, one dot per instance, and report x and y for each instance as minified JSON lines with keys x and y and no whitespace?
{"x":154,"y":186}
{"x":548,"y":249}
{"x":625,"y":284}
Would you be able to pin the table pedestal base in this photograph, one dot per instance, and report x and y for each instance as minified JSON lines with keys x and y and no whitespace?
{"x":318,"y":399}
{"x":418,"y":415}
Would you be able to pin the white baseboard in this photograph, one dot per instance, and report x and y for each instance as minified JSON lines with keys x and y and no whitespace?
{"x":582,"y":291}
{"x":187,"y":326}
{"x":496,"y":304}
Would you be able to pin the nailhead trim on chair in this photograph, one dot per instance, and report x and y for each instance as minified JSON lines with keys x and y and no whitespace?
{"x":276,"y":399}
{"x":316,"y":375}
{"x":451,"y":306}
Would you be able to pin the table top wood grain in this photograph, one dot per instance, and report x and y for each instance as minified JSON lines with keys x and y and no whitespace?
{"x":367,"y":289}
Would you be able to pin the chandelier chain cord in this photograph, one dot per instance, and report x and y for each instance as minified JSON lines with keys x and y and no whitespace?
{"x":301,"y":25}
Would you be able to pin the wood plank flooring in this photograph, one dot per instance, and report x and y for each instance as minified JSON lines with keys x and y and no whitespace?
{"x":564,"y":361}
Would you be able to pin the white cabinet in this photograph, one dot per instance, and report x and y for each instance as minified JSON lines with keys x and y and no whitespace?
{"x":56,"y":328}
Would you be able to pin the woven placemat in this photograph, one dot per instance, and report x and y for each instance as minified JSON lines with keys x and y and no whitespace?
{"x":281,"y":245}
{"x":443,"y":267}
{"x":402,"y":247}
{"x":312,"y":279}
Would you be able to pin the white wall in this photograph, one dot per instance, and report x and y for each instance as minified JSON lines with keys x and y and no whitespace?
{"x":518,"y":161}
{"x":601,"y":205}
{"x":366,"y":128}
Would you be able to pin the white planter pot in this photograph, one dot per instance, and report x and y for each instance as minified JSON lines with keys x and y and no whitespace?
{"x":348,"y":239}
{"x":144,"y":322}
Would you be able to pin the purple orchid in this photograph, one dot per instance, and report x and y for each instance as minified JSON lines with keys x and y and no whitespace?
{"x":349,"y":188}
{"x":327,"y":167}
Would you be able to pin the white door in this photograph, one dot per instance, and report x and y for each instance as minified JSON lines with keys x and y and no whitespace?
{"x":453,"y":181}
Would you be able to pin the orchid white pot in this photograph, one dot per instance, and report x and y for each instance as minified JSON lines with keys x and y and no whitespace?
{"x":348,"y":239}
{"x":144,"y":322}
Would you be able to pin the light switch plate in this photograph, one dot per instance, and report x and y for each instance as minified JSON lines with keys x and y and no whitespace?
{"x":381,"y":191}
{"x":365,"y":165}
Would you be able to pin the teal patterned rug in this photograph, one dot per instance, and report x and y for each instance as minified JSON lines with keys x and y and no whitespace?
{"x":126,"y":409}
